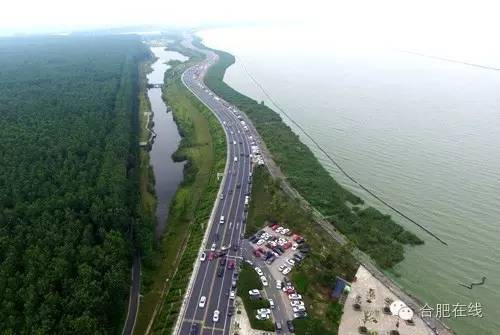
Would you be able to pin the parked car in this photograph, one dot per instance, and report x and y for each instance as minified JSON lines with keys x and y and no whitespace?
{"x":230,"y":264}
{"x":263,"y":279}
{"x":297,"y":309}
{"x":203,"y":256}
{"x":230,"y":311}
{"x":259,"y":271}
{"x":220,"y":272}
{"x":290,"y":261}
{"x":286,"y":270}
{"x":195,"y":328}
{"x":294,"y":303}
{"x":232,"y":294}
{"x":222,"y":261}
{"x":202,"y":302}
{"x":271,"y":303}
{"x":254,"y":292}
{"x":270,"y":260}
{"x":294,"y":246}
{"x":299,"y":315}
{"x":295,"y":296}
{"x":278,"y":325}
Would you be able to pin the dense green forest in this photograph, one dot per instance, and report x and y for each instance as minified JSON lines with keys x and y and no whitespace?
{"x":68,"y":183}
{"x":373,"y":232}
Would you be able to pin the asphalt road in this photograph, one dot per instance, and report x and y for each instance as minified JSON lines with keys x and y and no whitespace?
{"x":236,"y":186}
{"x":133,"y":303}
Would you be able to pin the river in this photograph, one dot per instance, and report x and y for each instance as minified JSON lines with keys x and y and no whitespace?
{"x":422,"y":133}
{"x":168,"y":174}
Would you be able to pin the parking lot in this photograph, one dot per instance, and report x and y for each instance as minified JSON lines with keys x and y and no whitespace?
{"x":276,"y":250}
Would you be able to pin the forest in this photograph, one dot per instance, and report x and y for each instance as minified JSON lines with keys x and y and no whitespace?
{"x":68,"y":182}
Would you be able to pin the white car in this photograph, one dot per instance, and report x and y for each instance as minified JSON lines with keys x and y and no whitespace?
{"x":297,"y":309}
{"x":260,"y":242}
{"x":279,"y":229}
{"x":295,"y":296}
{"x":263,"y":279}
{"x":213,"y":247}
{"x":285,"y":231}
{"x":254,"y":292}
{"x":295,"y":246}
{"x":216,"y":316}
{"x":294,"y":303}
{"x":271,"y":303}
{"x":259,"y":271}
{"x":203,"y":300}
{"x":281,"y":268}
{"x":203,"y":256}
{"x":290,"y":261}
{"x":279,"y":284}
{"x":299,"y":315}
{"x":234,"y":142}
{"x":264,"y":311}
{"x":286,"y":270}
{"x":232,"y":294}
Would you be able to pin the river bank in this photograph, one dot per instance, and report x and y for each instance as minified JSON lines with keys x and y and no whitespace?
{"x":202,"y":147}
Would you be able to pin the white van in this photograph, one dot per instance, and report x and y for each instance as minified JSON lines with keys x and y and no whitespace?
{"x":235,"y":158}
{"x":221,"y":219}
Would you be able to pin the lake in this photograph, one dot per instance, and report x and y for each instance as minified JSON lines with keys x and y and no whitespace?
{"x":422,"y":133}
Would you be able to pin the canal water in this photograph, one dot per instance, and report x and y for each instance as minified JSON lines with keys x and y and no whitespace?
{"x":420,"y":132}
{"x":168,"y":174}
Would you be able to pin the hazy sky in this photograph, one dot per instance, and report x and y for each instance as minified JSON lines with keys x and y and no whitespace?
{"x":434,"y":24}
{"x":413,"y":17}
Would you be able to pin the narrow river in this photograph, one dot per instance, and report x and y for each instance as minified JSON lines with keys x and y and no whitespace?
{"x":168,"y":174}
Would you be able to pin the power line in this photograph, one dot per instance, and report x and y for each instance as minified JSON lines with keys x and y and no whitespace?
{"x":333,"y":161}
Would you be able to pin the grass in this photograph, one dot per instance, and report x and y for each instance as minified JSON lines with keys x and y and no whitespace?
{"x":203,"y":146}
{"x":371,"y":231}
{"x":249,"y":280}
{"x":315,"y":276}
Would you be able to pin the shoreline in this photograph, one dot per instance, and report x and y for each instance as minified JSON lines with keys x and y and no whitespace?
{"x":217,"y":86}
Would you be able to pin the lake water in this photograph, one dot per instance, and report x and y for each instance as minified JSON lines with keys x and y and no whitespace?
{"x":168,"y":174}
{"x":421,"y":133}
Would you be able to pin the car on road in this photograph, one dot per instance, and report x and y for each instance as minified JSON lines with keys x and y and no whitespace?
{"x":220,"y":272}
{"x":222,"y":261}
{"x":238,"y":185}
{"x":232,"y":294}
{"x":259,"y":271}
{"x":279,"y":284}
{"x":194,"y":329}
{"x":211,"y":255}
{"x":230,"y":264}
{"x":216,"y":316}
{"x":278,"y":325}
{"x":263,"y":279}
{"x":224,"y":247}
{"x":230,"y":311}
{"x":202,"y":302}
{"x":291,"y":327}
{"x":222,"y":196}
{"x":235,"y":247}
{"x":270,"y":260}
{"x":221,"y":221}
{"x":203,"y":256}
{"x":271,"y":303}
{"x":295,"y":296}
{"x":213,"y":247}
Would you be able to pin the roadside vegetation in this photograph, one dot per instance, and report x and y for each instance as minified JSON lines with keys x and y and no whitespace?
{"x":371,"y":231}
{"x":249,"y":280}
{"x":68,"y":182}
{"x":203,"y":148}
{"x":314,"y":277}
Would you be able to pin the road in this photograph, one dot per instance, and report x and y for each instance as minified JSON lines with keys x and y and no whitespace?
{"x":133,"y":303}
{"x":236,"y":186}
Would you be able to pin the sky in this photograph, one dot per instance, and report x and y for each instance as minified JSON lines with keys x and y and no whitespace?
{"x":467,"y":24}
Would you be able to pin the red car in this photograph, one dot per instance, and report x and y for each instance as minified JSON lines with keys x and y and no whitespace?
{"x":261,"y":250}
{"x":296,"y":237}
{"x":256,"y":253}
{"x":274,"y":227}
{"x":290,"y":290}
{"x":230,"y":264}
{"x":287,"y":245}
{"x":211,"y":255}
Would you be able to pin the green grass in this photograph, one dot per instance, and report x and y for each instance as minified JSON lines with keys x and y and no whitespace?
{"x":203,"y":146}
{"x":374,"y":233}
{"x":249,"y":280}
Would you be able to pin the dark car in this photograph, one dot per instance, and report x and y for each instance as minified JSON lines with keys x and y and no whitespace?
{"x":220,"y":272}
{"x":194,"y":329}
{"x":230,"y":311}
{"x":238,"y":185}
{"x":222,"y":261}
{"x":290,"y":326}
{"x":235,"y":247}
